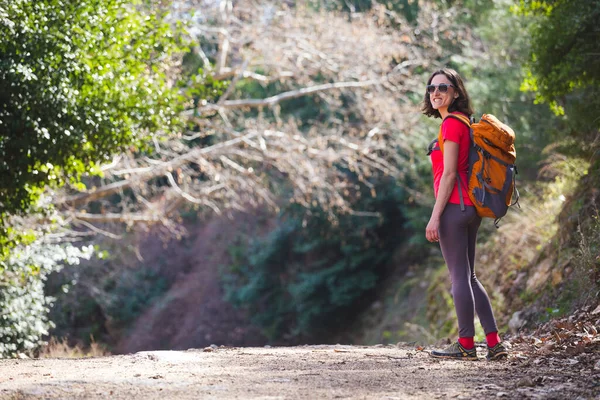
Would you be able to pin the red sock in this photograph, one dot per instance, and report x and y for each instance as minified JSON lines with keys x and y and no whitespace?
{"x":492,"y":339}
{"x":466,"y":342}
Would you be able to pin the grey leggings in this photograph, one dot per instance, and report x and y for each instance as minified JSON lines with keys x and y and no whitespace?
{"x":458,"y":234}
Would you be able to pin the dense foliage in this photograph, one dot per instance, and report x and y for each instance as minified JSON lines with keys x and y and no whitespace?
{"x":312,"y":273}
{"x":565,"y":72}
{"x":78,"y":81}
{"x":565,"y":66}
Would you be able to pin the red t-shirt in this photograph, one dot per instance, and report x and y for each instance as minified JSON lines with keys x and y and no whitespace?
{"x":455,"y":131}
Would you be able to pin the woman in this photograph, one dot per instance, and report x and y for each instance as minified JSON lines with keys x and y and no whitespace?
{"x":455,"y":226}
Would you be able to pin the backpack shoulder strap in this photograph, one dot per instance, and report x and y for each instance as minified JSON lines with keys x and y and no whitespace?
{"x":433,"y":145}
{"x":461,"y":118}
{"x":464,"y":120}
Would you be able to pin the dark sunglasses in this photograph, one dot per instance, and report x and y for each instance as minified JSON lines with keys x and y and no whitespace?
{"x":442,"y":87}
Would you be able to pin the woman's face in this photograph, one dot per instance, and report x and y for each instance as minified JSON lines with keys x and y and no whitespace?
{"x":439,"y":100}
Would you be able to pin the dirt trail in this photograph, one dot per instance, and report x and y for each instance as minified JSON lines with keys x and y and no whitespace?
{"x":303,"y":372}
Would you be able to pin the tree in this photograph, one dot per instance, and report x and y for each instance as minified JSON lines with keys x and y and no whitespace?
{"x":565,"y":66}
{"x":79,"y":81}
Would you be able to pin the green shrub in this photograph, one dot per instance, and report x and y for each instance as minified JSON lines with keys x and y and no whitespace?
{"x":99,"y":300}
{"x":133,"y":291}
{"x":23,"y":305}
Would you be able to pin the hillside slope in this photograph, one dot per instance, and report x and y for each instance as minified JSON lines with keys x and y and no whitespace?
{"x":192,"y":313}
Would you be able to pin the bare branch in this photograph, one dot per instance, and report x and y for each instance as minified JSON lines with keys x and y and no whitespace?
{"x":191,"y":198}
{"x":270,"y":101}
{"x":227,"y":73}
{"x":120,"y":218}
{"x":225,"y":7}
{"x":232,"y":84}
{"x":98,"y":230}
{"x":95,"y":194}
{"x":145,"y":174}
{"x":253,"y":154}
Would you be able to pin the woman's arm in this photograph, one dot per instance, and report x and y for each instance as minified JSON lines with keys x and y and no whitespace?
{"x":447,"y":183}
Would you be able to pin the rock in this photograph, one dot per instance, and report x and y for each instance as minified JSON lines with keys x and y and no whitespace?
{"x":525,"y":382}
{"x":516,"y":322}
{"x":597,"y":365}
{"x":208,"y":349}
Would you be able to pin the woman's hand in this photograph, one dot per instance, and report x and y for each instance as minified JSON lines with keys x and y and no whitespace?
{"x":432,"y":231}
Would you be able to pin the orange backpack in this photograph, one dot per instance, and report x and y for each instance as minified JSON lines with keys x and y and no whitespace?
{"x":492,"y":170}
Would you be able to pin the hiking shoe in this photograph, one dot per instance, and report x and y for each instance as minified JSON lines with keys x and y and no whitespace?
{"x":457,"y":352}
{"x":497,"y":352}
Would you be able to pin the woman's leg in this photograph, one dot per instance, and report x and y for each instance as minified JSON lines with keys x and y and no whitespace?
{"x":482,"y":301}
{"x":454,"y":242}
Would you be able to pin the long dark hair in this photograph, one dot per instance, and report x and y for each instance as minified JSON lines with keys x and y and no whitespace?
{"x":462,"y":103}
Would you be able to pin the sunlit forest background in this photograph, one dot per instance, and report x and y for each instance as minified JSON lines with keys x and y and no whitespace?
{"x":176,"y":174}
